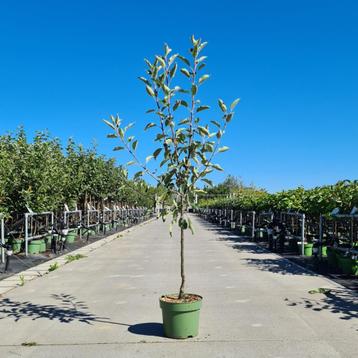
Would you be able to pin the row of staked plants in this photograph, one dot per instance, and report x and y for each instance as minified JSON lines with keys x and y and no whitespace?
{"x":42,"y":174}
{"x":319,"y":200}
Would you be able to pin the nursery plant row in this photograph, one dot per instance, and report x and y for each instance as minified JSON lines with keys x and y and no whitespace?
{"x":331,"y":238}
{"x":45,"y":232}
{"x":320,"y":200}
{"x":42,"y":174}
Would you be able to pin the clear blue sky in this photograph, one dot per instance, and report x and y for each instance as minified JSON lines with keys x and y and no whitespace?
{"x":65,"y":65}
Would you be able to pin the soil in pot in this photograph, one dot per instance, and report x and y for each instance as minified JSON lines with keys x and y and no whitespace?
{"x":181,"y":317}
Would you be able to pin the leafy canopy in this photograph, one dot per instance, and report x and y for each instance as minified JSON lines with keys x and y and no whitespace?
{"x":186,"y":141}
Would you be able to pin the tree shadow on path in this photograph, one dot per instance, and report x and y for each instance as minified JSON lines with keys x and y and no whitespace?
{"x":343,"y":303}
{"x":68,"y":310}
{"x":279,"y":266}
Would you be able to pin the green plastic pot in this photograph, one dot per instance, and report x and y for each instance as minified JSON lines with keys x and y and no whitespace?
{"x":88,"y":231}
{"x":332,"y":257}
{"x":71,"y":237}
{"x":180,"y":320}
{"x":324,"y":251}
{"x":48,"y":239}
{"x":348,"y":265}
{"x":49,"y":236}
{"x":308,"y":249}
{"x":34,"y":246}
{"x":42,"y":245}
{"x":16,"y":245}
{"x":260,"y":234}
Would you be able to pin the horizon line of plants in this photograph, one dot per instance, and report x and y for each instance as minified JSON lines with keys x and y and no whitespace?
{"x":319,"y":200}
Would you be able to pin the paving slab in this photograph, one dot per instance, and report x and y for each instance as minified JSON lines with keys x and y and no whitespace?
{"x":256,"y":304}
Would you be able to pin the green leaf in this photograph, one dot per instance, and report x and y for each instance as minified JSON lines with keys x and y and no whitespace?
{"x":150,"y":111}
{"x":234,"y":103}
{"x":203,"y":130}
{"x":138,"y":175}
{"x":167,"y":49}
{"x":228,"y":117}
{"x":150,"y":91}
{"x":134,"y":145}
{"x":183,"y":224}
{"x":112,"y":135}
{"x":149,"y":125}
{"x":190,"y":226}
{"x":194,"y":90}
{"x":183,"y":90}
{"x":115,"y":149}
{"x":157,"y":152}
{"x":143,"y":79}
{"x":166,"y":89}
{"x":148,"y":63}
{"x":160,"y":60}
{"x":203,"y":78}
{"x":216,"y":124}
{"x":207,"y":181}
{"x":222,"y":105}
{"x":203,"y":44}
{"x":130,"y":163}
{"x":223,"y":149}
{"x":185,"y":72}
{"x":200,"y":59}
{"x":184,"y":121}
{"x":217,"y":167}
{"x":149,"y":158}
{"x":121,"y":133}
{"x":202,"y":65}
{"x":109,"y":124}
{"x":202,"y":108}
{"x":185,"y":60}
{"x":173,"y":70}
{"x":172,"y":58}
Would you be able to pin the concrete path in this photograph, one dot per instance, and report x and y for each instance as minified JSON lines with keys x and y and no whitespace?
{"x":256,"y":304}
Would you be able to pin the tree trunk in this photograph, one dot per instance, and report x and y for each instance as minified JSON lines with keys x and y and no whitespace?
{"x":181,"y":291}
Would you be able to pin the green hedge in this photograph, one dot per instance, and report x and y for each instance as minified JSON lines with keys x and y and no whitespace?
{"x":42,"y":174}
{"x":319,"y":200}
